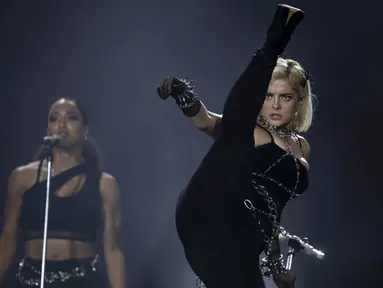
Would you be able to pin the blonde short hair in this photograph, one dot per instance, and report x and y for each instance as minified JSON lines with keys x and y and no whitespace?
{"x":294,"y":72}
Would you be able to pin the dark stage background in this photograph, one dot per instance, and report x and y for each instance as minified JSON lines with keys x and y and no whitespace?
{"x":112,"y":54}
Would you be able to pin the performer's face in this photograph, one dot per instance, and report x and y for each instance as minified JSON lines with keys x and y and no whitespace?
{"x":280,"y":104}
{"x":66,"y":120}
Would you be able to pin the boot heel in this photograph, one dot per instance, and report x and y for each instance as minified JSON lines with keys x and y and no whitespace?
{"x":292,"y":11}
{"x":285,"y":20}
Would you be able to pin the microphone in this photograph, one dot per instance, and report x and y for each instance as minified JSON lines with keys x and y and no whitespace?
{"x":300,"y":245}
{"x":52,"y":140}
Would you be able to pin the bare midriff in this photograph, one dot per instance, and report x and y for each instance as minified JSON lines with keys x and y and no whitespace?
{"x":58,"y":249}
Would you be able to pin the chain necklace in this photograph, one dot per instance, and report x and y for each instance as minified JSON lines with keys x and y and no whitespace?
{"x":283,"y":132}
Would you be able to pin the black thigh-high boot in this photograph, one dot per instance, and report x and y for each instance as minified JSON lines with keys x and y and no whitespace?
{"x":204,"y":209}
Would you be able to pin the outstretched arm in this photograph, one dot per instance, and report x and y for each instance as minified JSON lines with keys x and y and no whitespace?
{"x":207,"y":121}
{"x":187,"y":100}
{"x":114,"y":257}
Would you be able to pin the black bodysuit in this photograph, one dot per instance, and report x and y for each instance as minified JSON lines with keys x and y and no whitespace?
{"x":222,"y":240}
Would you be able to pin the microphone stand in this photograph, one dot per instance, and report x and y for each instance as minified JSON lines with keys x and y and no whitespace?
{"x":48,"y":145}
{"x":294,"y":246}
{"x":297,"y":244}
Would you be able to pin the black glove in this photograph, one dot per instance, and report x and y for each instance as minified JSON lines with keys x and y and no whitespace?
{"x":172,"y":86}
{"x":182,"y":91}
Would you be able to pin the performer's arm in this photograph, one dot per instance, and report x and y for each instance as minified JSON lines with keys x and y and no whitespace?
{"x":207,"y":121}
{"x":190,"y":104}
{"x":281,"y":280}
{"x":275,"y":248}
{"x":115,"y":262}
{"x":9,"y":234}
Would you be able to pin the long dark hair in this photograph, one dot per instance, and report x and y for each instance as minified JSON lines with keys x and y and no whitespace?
{"x":91,"y":151}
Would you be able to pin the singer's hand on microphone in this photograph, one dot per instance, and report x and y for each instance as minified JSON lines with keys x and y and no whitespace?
{"x":284,"y":280}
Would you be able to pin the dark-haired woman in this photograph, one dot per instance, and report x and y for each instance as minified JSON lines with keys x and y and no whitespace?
{"x":83,"y":199}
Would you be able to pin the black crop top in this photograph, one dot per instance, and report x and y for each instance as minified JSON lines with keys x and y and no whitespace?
{"x":75,"y":217}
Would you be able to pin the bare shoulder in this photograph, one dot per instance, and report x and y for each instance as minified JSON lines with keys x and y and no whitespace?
{"x":24,"y":175}
{"x":261,"y":136}
{"x":109,"y":186}
{"x":305,"y":146}
{"x":108,"y":179}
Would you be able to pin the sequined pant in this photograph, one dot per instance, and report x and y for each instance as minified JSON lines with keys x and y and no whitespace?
{"x":217,"y":248}
{"x":59,"y":274}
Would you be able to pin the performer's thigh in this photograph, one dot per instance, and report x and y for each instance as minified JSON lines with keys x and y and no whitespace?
{"x":225,"y":261}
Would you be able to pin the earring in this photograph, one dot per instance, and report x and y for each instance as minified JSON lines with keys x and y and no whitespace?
{"x":296,"y":116}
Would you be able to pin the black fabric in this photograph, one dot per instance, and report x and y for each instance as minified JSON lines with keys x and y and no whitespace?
{"x":77,"y":217}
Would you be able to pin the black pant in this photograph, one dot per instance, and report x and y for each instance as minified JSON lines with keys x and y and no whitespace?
{"x":218,"y":248}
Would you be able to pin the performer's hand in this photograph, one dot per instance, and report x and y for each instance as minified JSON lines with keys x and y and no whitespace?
{"x":171,"y":85}
{"x":284,"y":280}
